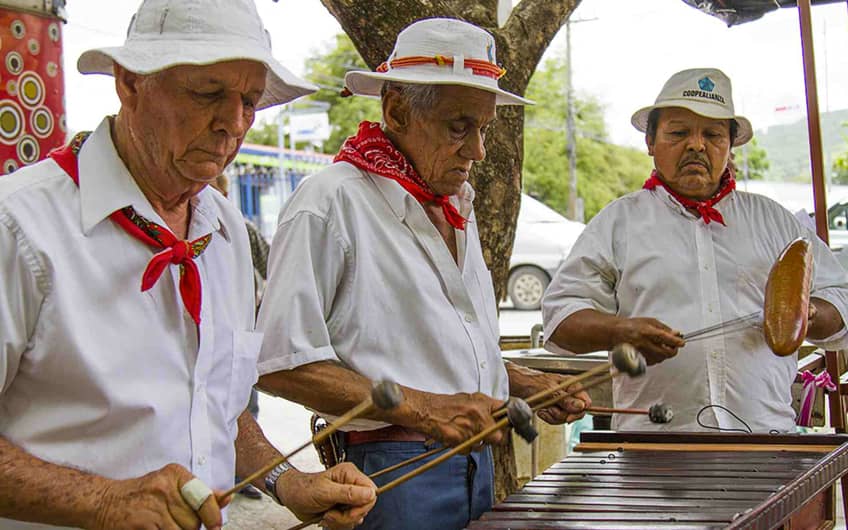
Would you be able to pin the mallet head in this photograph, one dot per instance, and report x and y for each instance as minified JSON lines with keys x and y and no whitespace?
{"x":521,"y":418}
{"x":386,"y":395}
{"x":626,"y":358}
{"x":660,"y":413}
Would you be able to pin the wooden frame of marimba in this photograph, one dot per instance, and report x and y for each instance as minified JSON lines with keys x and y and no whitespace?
{"x":682,"y":480}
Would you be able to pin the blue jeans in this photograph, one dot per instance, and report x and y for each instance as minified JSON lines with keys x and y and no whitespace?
{"x":446,"y":497}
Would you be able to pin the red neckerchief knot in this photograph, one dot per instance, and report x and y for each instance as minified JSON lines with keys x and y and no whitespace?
{"x":177,"y":251}
{"x":704,"y":208}
{"x":372,"y":151}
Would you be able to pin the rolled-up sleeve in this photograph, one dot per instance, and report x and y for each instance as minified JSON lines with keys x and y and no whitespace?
{"x":585,"y":280}
{"x":306,"y":268}
{"x":830,"y":283}
{"x":21,"y":297}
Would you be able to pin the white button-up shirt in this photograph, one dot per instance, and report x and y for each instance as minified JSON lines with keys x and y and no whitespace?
{"x":360,"y":275}
{"x":96,"y":374}
{"x":645,"y":255}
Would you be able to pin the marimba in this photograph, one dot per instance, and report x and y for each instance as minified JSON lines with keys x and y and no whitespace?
{"x":682,"y":480}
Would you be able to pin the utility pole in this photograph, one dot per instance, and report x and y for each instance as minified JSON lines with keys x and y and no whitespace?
{"x":575,"y":213}
{"x":281,"y":158}
{"x":570,"y":132}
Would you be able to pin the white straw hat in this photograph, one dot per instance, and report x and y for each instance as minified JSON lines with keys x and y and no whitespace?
{"x":704,"y":91}
{"x":166,"y":33}
{"x":439,"y":51}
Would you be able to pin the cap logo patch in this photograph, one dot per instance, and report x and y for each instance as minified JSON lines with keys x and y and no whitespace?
{"x":706,"y":84}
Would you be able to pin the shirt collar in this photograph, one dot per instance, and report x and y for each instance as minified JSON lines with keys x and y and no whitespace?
{"x":397,"y":197}
{"x":106,"y":185}
{"x":672,"y":203}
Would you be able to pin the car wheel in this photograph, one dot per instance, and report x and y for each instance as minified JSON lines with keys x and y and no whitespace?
{"x":526,"y":286}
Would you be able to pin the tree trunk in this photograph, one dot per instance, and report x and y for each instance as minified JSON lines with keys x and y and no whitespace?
{"x":373,"y":28}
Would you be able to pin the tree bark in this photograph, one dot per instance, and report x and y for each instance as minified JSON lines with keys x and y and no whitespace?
{"x":373,"y":27}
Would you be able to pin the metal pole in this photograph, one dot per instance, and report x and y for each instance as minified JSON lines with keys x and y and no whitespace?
{"x":813,"y":119}
{"x":570,"y":129}
{"x":290,"y":174}
{"x":281,"y":159}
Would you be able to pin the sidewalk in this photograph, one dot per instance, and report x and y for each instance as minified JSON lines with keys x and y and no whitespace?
{"x":287,"y":426}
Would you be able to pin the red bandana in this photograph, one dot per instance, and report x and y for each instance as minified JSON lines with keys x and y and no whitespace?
{"x":705,"y":208}
{"x":372,"y":151}
{"x":177,"y":251}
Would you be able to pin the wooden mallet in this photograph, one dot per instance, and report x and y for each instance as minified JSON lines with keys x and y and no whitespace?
{"x":385,"y":395}
{"x":658,"y":413}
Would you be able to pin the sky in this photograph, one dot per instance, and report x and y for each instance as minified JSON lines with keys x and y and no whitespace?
{"x":623,"y":51}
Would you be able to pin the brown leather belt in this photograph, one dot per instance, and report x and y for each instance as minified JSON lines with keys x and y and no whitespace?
{"x":392,"y":433}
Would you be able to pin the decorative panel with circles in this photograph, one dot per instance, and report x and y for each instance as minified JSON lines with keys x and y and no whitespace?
{"x":32,"y":105}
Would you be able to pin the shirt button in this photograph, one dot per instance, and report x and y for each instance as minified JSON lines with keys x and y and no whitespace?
{"x":198,"y":389}
{"x":469,"y":317}
{"x":483,"y":364}
{"x":201,"y":460}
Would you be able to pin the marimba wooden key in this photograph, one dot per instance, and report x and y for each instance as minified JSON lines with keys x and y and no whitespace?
{"x":658,"y":480}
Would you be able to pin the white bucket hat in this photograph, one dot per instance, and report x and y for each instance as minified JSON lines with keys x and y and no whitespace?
{"x":166,"y":33}
{"x":704,"y":91}
{"x":438,"y":51}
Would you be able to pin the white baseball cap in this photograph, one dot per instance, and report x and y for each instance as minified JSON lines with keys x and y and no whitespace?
{"x":704,"y":91}
{"x":166,"y":33}
{"x":439,"y":51}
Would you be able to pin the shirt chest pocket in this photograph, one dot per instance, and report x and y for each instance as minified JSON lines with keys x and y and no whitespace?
{"x":246,"y":346}
{"x":490,"y":306}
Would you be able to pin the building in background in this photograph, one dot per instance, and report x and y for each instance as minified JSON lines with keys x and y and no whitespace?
{"x":258,"y":186}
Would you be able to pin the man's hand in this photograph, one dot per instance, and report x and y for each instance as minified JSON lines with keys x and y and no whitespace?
{"x":570,"y":408}
{"x":453,"y":419}
{"x":154,"y":501}
{"x":811,"y":315}
{"x":823,"y":319}
{"x":656,"y":341}
{"x":525,"y":382}
{"x":343,"y":492}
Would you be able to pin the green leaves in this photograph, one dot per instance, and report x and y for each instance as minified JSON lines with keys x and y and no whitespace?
{"x":604,"y":171}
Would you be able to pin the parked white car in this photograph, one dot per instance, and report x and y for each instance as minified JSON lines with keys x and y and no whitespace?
{"x":543,"y":239}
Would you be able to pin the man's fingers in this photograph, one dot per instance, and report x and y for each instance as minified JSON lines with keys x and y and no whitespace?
{"x":347,"y":473}
{"x":210,"y":514}
{"x":332,"y":492}
{"x":336,"y":519}
{"x":553,"y":415}
{"x":223,"y":502}
{"x":496,"y":438}
{"x":182,"y":517}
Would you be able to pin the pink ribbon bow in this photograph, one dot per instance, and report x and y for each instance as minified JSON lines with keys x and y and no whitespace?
{"x":808,"y":397}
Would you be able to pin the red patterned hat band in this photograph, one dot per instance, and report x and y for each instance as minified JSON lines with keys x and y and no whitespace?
{"x":478,"y":67}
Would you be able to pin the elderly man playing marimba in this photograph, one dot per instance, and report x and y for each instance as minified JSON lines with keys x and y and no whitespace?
{"x":127,"y":349}
{"x":376,"y":271}
{"x":686,"y":252}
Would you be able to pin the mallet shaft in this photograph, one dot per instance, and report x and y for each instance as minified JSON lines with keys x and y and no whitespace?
{"x":344,"y":419}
